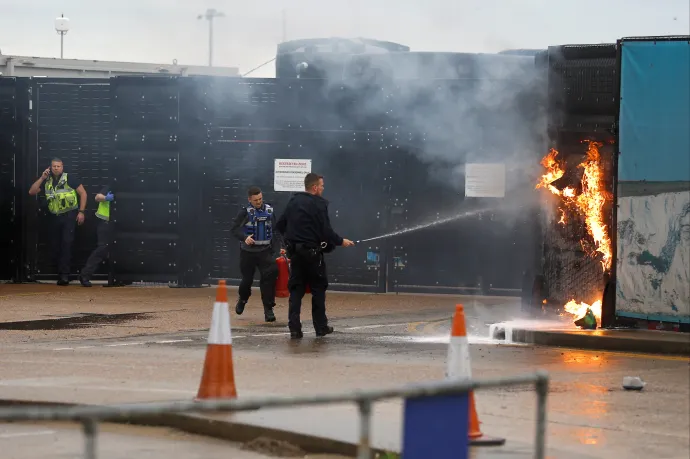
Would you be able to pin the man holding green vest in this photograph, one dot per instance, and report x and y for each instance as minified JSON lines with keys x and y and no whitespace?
{"x":104,"y":232}
{"x":61,"y":190}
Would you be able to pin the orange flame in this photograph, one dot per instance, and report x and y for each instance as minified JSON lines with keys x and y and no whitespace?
{"x":553,"y":172}
{"x":589,"y":204}
{"x":580,"y":309}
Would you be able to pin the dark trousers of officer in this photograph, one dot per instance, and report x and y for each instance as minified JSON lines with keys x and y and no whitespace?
{"x":62,"y":234}
{"x":307,"y":267}
{"x":105,"y":237}
{"x":265,"y":261}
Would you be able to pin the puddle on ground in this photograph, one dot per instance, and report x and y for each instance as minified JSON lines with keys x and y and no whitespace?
{"x":73,"y":322}
{"x":438,"y":339}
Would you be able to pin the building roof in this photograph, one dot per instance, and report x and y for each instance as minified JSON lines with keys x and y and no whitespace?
{"x":31,"y":66}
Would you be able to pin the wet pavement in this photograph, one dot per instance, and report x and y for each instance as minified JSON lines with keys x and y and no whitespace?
{"x":173,"y":310}
{"x":379,"y":341}
{"x":56,"y":440}
{"x":84,"y":320}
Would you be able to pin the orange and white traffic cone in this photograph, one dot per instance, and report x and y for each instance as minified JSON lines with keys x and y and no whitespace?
{"x":459,"y":367}
{"x":218,"y":379}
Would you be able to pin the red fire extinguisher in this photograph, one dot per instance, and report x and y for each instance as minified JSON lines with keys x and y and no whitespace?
{"x":283,"y":276}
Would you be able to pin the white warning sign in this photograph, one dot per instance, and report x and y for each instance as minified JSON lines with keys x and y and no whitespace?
{"x":289,"y":174}
{"x":485,"y":180}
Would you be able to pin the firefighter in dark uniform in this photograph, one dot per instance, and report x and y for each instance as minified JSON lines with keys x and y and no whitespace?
{"x":104,"y":231}
{"x":259,"y":247}
{"x":61,"y":190}
{"x":307,"y":232}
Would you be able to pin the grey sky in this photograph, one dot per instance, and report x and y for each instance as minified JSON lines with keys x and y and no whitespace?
{"x":159,"y":30}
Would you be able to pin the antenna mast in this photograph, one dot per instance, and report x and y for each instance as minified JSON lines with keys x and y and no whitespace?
{"x":62,"y":27}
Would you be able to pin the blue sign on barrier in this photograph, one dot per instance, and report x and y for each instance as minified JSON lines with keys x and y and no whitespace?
{"x":436,"y":427}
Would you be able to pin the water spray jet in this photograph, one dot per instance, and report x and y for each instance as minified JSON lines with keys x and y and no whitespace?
{"x":458,"y":216}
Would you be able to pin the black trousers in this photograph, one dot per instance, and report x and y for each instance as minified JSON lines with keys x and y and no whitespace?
{"x":265,"y":261}
{"x":104,"y":231}
{"x":307,"y":268}
{"x":62,"y":237}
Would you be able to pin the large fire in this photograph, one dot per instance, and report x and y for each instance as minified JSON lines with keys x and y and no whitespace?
{"x":588,"y":203}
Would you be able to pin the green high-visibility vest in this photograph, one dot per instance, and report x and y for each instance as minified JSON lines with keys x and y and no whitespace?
{"x":61,"y":197}
{"x":103,"y":211}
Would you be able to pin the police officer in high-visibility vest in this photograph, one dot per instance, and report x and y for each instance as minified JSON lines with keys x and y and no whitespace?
{"x":61,"y":190}
{"x":104,"y":231}
{"x":259,"y":247}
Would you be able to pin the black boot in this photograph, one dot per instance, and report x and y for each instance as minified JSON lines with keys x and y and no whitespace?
{"x":296,"y":334}
{"x":268,"y":315}
{"x":324,"y":331}
{"x":63,"y":280}
{"x":239,"y":307}
{"x":85,"y":282}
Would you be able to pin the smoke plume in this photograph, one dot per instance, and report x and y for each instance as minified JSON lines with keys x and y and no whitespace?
{"x":446,"y":109}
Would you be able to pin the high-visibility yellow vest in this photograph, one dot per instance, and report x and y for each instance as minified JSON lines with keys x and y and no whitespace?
{"x":103,"y":211}
{"x":61,"y":197}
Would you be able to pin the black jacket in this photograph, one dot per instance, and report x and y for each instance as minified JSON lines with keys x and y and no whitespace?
{"x":238,"y":231}
{"x":306,"y":221}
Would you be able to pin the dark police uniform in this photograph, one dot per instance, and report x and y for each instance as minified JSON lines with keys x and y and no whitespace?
{"x":307,"y":232}
{"x":258,"y":223}
{"x":104,"y":231}
{"x":63,"y":203}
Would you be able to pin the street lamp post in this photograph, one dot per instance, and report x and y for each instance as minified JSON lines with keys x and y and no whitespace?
{"x":209,"y":16}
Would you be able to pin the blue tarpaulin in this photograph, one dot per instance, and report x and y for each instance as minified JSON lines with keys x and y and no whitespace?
{"x":655,"y":111}
{"x":653,"y":227}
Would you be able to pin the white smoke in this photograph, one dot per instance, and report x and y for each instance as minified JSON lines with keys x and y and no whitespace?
{"x":446,"y":109}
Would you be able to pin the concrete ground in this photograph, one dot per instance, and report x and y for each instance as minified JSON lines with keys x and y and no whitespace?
{"x":51,"y":351}
{"x":64,"y":440}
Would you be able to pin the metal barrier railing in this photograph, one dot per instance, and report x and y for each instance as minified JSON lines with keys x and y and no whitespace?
{"x":90,"y":416}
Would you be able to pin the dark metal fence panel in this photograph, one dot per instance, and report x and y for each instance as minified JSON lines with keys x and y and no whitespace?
{"x":181,"y":152}
{"x":11,"y":145}
{"x":236,"y":147}
{"x":240,"y":154}
{"x":353,"y":166}
{"x":70,"y":120}
{"x":484,"y":253}
{"x":583,"y":94}
{"x":146,"y":177}
{"x":583,"y":87}
{"x":329,"y":124}
{"x":237,"y":159}
{"x":483,"y":118}
{"x":193,"y":250}
{"x":251,"y":103}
